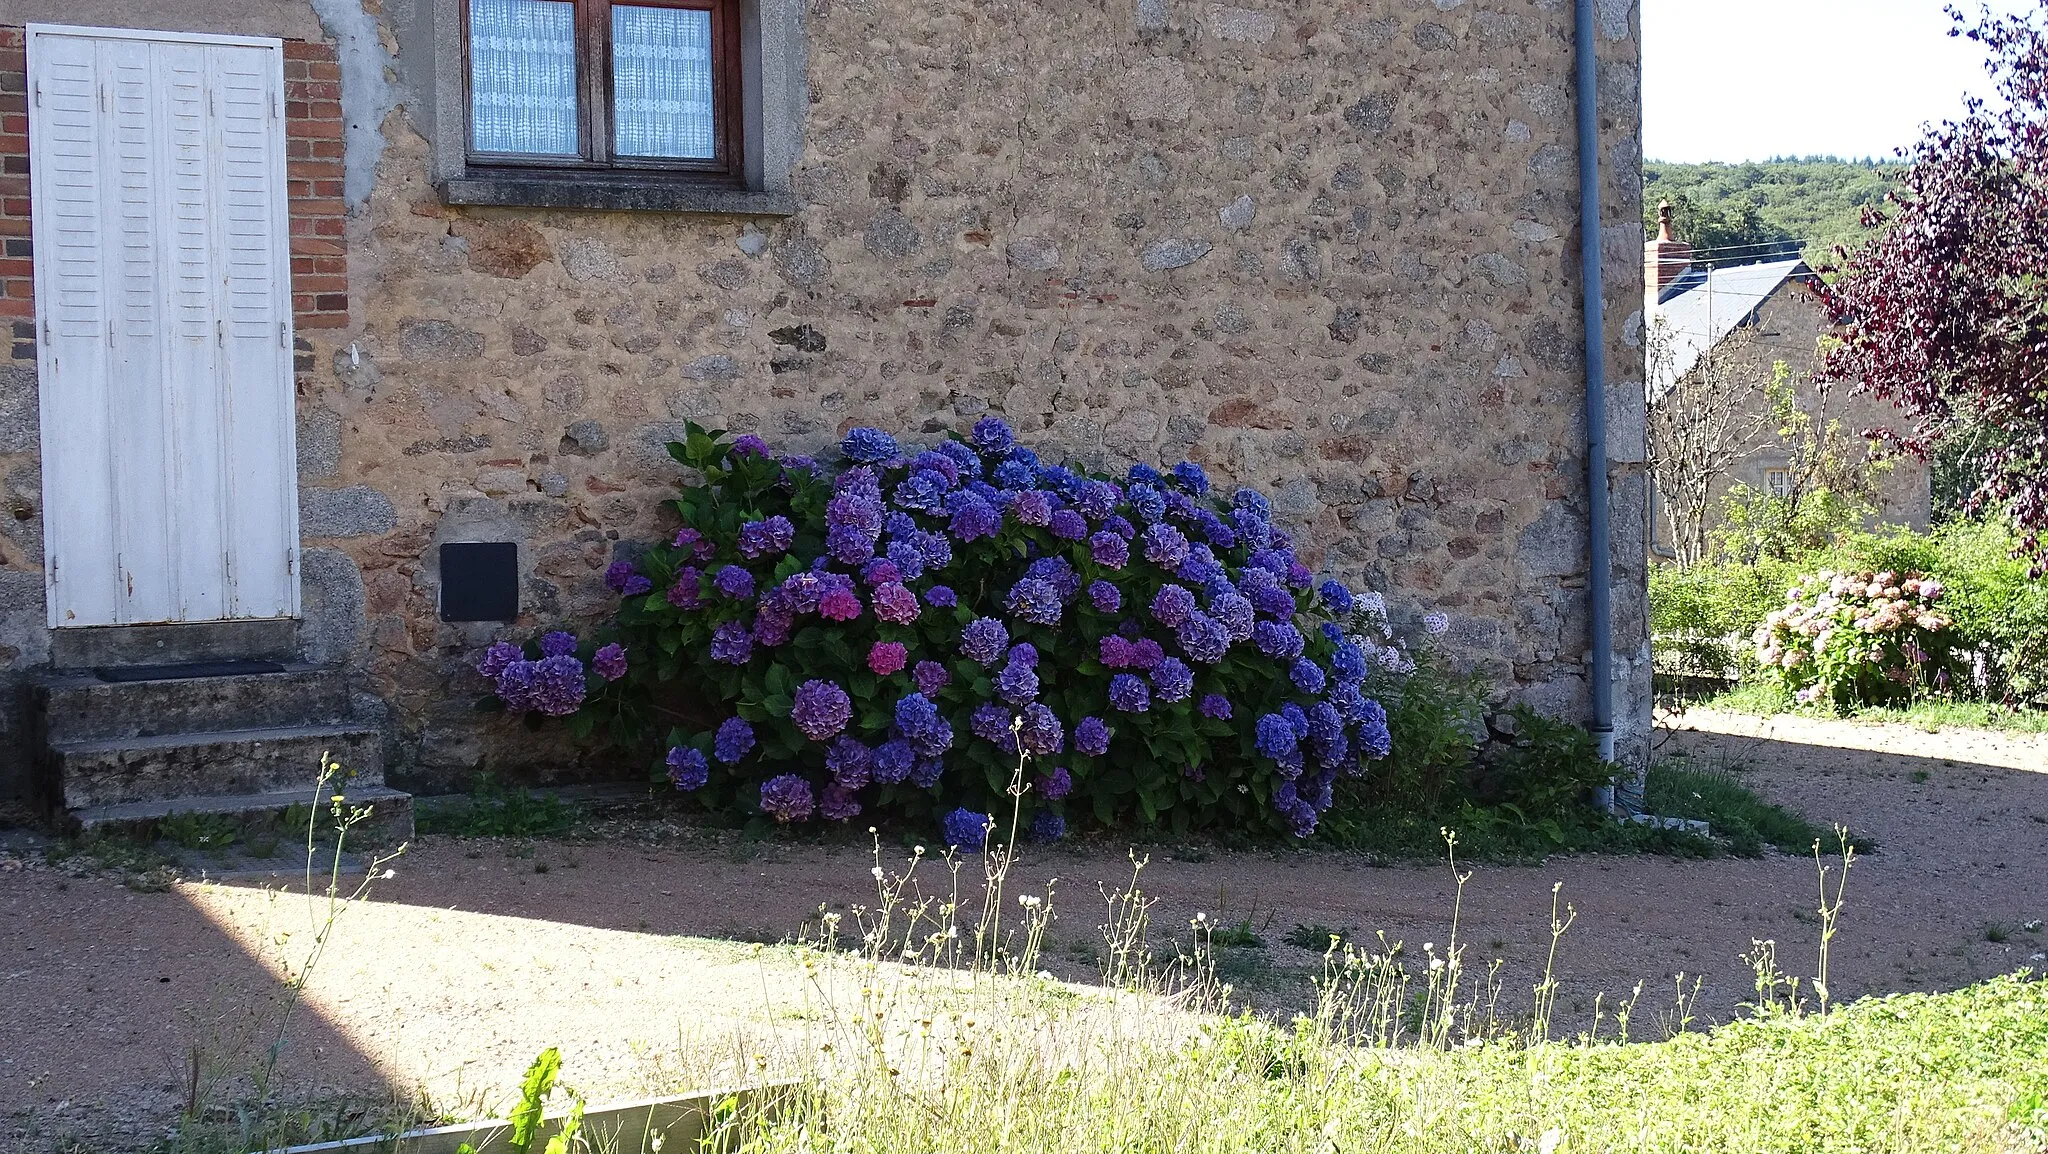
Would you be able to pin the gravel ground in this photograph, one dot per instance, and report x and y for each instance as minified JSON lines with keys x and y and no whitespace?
{"x":477,"y":954}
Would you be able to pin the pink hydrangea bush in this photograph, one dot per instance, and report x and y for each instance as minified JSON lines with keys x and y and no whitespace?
{"x":1859,"y":638}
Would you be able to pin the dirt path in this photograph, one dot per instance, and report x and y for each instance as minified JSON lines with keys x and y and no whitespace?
{"x":478,"y":954}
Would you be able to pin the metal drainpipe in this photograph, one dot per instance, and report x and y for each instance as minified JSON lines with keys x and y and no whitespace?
{"x":1600,"y":578}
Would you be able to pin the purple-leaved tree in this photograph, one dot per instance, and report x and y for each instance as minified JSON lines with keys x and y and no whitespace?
{"x":1944,"y":312}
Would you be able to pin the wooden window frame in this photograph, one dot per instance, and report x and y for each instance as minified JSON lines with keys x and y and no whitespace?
{"x":595,"y":98}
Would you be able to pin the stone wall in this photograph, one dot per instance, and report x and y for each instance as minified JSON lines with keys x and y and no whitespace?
{"x":1329,"y":249}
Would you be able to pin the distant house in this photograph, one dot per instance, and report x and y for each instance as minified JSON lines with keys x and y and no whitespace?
{"x":1693,"y":308}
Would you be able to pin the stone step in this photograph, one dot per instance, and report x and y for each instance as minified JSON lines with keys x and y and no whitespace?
{"x":231,"y":761}
{"x":79,"y":706}
{"x":275,"y":818}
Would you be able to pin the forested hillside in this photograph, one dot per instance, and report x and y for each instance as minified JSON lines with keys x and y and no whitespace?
{"x":1737,"y":213}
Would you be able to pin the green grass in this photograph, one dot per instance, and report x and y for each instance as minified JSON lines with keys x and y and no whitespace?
{"x":1764,"y":700}
{"x":492,"y":810}
{"x":1734,"y":813}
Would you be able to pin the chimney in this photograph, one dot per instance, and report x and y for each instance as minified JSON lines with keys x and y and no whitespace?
{"x":1665,"y":258}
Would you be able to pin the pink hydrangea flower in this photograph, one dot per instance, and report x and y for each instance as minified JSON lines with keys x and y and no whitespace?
{"x":887,"y":657}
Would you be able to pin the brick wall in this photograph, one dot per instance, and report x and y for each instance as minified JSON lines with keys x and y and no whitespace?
{"x":312,"y":82}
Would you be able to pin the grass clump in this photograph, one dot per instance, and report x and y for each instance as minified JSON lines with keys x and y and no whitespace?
{"x":1762,"y":699}
{"x":492,"y":809}
{"x":1736,"y":814}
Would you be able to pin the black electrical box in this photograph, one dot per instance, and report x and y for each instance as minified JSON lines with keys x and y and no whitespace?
{"x":479,"y":581}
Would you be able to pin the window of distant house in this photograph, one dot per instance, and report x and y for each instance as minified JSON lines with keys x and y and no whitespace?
{"x":1778,"y":481}
{"x":577,"y":89}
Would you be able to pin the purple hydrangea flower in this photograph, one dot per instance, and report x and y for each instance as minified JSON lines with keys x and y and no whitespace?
{"x":1048,"y":826}
{"x":1129,"y":694}
{"x":610,"y":662}
{"x":636,"y":585}
{"x":1298,"y":576}
{"x":1172,"y":605}
{"x":558,"y":685}
{"x":1307,"y":676}
{"x":868,"y":446}
{"x":1033,"y":507}
{"x":1109,"y":550}
{"x":973,"y":518}
{"x":1120,"y":527}
{"x":1041,"y":732}
{"x":733,"y":740}
{"x":1106,"y":597}
{"x":839,"y":803}
{"x":1017,"y":683}
{"x":924,"y":491}
{"x":771,"y":537}
{"x":687,"y":769}
{"x":734,"y":582}
{"x":1068,"y":525}
{"x":1274,"y":737}
{"x":787,"y":798}
{"x":939,"y":463}
{"x":880,"y":571}
{"x":1165,"y":546}
{"x":1203,"y":639}
{"x":983,"y":640}
{"x":1056,"y":785}
{"x":1035,"y":601}
{"x":516,"y":685}
{"x":749,"y":445}
{"x":1023,"y":653}
{"x":966,"y":830}
{"x":887,"y":657}
{"x":1217,"y":706}
{"x":1091,"y":736}
{"x":992,"y":435}
{"x":497,"y":657}
{"x":557,"y":644}
{"x":964,"y":458}
{"x":849,"y":762}
{"x":895,"y":603}
{"x":848,"y":545}
{"x":1277,"y":639}
{"x":1172,"y":680}
{"x":930,"y":677}
{"x":1059,"y":573}
{"x":926,"y":771}
{"x":732,"y":644}
{"x":772,"y":626}
{"x":992,"y":723}
{"x":1214,"y":531}
{"x":688,"y":590}
{"x":618,"y":575}
{"x":892,"y":761}
{"x":821,"y":710}
{"x":942,"y":596}
{"x":840,"y":603}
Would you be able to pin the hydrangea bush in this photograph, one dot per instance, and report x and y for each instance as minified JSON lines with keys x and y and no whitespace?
{"x":1850,"y":638}
{"x":899,"y":632}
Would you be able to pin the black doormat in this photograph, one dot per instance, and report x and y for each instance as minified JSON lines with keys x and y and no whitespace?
{"x":185,"y":670}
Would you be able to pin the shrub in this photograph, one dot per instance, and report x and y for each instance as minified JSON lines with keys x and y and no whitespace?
{"x":932,"y":634}
{"x":1858,"y":638}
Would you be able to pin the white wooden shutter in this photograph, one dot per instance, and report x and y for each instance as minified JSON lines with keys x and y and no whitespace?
{"x":159,"y":183}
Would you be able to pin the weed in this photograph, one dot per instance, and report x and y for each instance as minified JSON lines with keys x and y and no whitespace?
{"x":1996,"y":933}
{"x":199,"y":831}
{"x":493,"y":810}
{"x":1319,"y":938}
{"x":1746,"y":821}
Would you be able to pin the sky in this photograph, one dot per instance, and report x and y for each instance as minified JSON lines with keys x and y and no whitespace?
{"x":1735,"y":80}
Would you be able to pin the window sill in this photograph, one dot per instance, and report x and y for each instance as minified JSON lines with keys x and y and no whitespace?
{"x":618,"y":196}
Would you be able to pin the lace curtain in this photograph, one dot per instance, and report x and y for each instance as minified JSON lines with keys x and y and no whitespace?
{"x":661,"y":83}
{"x":522,"y":76}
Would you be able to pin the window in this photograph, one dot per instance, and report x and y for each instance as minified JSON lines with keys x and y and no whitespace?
{"x":1778,"y":481}
{"x":583,"y":89}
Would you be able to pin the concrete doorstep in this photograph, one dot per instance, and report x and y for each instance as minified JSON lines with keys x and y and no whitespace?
{"x":684,"y":1122}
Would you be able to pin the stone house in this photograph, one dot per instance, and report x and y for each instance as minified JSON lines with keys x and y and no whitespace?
{"x":1760,"y":315}
{"x":411,"y":293}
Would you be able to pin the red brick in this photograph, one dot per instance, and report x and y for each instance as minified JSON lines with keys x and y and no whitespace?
{"x":12,"y":225}
{"x":12,"y":126}
{"x":319,"y":284}
{"x":18,"y":288}
{"x":330,"y":226}
{"x":307,"y":50}
{"x":16,"y":267}
{"x":320,"y":71}
{"x":326,"y":148}
{"x":303,"y":89}
{"x":336,"y":265}
{"x":312,"y":169}
{"x":294,"y":70}
{"x":14,"y":102}
{"x":327,"y":188}
{"x":323,"y":320}
{"x":312,"y":246}
{"x":15,"y":207}
{"x":14,"y":308}
{"x":318,"y":129}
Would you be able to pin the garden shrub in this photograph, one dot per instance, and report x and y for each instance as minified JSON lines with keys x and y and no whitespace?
{"x":1859,"y":638}
{"x":932,"y":634}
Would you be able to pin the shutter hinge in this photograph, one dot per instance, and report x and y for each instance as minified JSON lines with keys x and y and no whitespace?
{"x":291,"y":564}
{"x":284,"y":340}
{"x":220,"y":332}
{"x":39,"y":92}
{"x":106,"y":99}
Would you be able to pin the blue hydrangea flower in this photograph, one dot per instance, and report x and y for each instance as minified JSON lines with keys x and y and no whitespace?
{"x":1120,"y":527}
{"x":966,"y":830}
{"x":1217,"y":706}
{"x":927,"y":771}
{"x":941,"y":596}
{"x":1068,"y":525}
{"x":1243,"y":498}
{"x":1273,"y":737}
{"x":1326,"y":735}
{"x":1023,"y":653}
{"x":687,"y":769}
{"x":1253,"y":531}
{"x":734,"y":582}
{"x":1017,"y":683}
{"x":1236,"y":615}
{"x":892,"y":761}
{"x":1015,"y":475}
{"x":915,"y":714}
{"x":991,"y":723}
{"x":1307,"y":676}
{"x":1191,"y":478}
{"x":1129,"y":693}
{"x":733,"y":740}
{"x":923,"y":491}
{"x":1096,"y":499}
{"x":963,"y":458}
{"x":1214,"y":531}
{"x":1091,"y":736}
{"x":732,"y":644}
{"x":1373,"y":738}
{"x":1296,"y":717}
{"x":1142,"y":474}
{"x":1106,"y":597}
{"x":907,"y":558}
{"x":938,"y":462}
{"x":1109,"y":550}
{"x":1146,"y":503}
{"x":1048,"y":826}
{"x":1035,"y":601}
{"x":868,"y":446}
{"x":983,"y":640}
{"x":1336,"y":596}
{"x":973,"y":517}
{"x":992,"y":435}
{"x":1203,"y":639}
{"x":1347,"y":661}
{"x":1172,"y":680}
{"x":1277,"y":639}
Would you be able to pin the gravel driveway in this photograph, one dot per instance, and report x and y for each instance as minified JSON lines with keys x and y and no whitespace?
{"x":477,"y":954}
